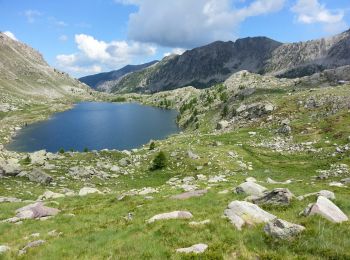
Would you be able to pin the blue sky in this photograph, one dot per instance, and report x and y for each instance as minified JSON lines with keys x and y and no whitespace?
{"x":87,"y":37}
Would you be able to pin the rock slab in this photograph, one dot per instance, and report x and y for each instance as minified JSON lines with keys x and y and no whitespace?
{"x":196,"y":249}
{"x":282,"y":229}
{"x":171,"y":215}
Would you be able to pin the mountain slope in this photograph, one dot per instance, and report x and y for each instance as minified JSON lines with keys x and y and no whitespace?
{"x":214,"y":63}
{"x":101,"y":81}
{"x":26,"y":77}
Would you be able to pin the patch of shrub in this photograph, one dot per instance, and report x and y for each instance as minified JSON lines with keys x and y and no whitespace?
{"x":159,"y":162}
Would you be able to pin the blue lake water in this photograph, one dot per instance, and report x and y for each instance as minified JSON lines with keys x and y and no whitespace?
{"x":97,"y":126}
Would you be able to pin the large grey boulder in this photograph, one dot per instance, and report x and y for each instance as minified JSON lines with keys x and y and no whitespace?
{"x":222,"y":124}
{"x":10,"y":167}
{"x":189,"y":194}
{"x":38,"y":157}
{"x":124,"y":162}
{"x":327,"y":209}
{"x":243,"y":212}
{"x":250,"y":188}
{"x":38,"y":175}
{"x":171,"y":215}
{"x":277,"y":197}
{"x":196,"y":249}
{"x":282,"y":229}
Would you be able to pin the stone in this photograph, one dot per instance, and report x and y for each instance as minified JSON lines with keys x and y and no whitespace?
{"x":192,"y":155}
{"x":115,"y":168}
{"x":277,"y":197}
{"x":243,"y":212}
{"x":336,"y":184}
{"x":50,"y":195}
{"x":9,"y":199}
{"x":250,"y":188}
{"x":222,"y":125}
{"x":282,"y":229}
{"x":87,"y":190}
{"x":171,"y":215}
{"x":147,"y":190}
{"x":327,"y":209}
{"x":10,"y":167}
{"x":251,"y":179}
{"x":217,"y":178}
{"x":189,"y":194}
{"x":345,"y":181}
{"x":38,"y":175}
{"x":199,"y":223}
{"x":271,"y":181}
{"x":34,"y":211}
{"x":30,"y":245}
{"x":38,"y":157}
{"x":124,"y":162}
{"x":196,"y":249}
{"x":4,"y":249}
{"x":285,"y":129}
{"x":325,"y":193}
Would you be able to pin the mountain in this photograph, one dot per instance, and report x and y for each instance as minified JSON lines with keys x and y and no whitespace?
{"x":214,"y":63}
{"x":25,"y":76}
{"x":101,"y":81}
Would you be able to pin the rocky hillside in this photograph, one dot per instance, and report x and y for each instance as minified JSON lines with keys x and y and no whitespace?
{"x":26,"y":77}
{"x":104,"y":81}
{"x":214,"y":63}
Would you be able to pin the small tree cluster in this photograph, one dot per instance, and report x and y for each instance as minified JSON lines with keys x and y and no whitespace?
{"x":159,"y":162}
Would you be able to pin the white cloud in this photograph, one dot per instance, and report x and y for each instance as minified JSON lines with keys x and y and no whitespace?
{"x":95,"y":55}
{"x":184,"y":23}
{"x":177,"y":51}
{"x":11,"y":35}
{"x":32,"y":15}
{"x":312,"y":12}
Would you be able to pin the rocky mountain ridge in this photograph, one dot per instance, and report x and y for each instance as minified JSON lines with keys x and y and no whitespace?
{"x":214,"y":63}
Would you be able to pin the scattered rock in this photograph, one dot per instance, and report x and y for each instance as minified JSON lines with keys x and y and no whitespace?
{"x":192,"y":155}
{"x":243,"y":212}
{"x":250,"y":179}
{"x":250,"y":188}
{"x":345,"y":181}
{"x":30,"y":245}
{"x":87,"y":190}
{"x":222,"y":125}
{"x":199,"y":223}
{"x":4,"y":249}
{"x":277,"y":197}
{"x":326,"y":209}
{"x":282,"y":229}
{"x":50,"y":195}
{"x":336,"y":184}
{"x":38,"y":157}
{"x":147,"y":190}
{"x":9,"y":199}
{"x":325,"y":193}
{"x":124,"y":162}
{"x":38,"y":175}
{"x":217,"y":178}
{"x":271,"y":181}
{"x":171,"y":215}
{"x":196,"y":249}
{"x":189,"y":194}
{"x":36,"y":210}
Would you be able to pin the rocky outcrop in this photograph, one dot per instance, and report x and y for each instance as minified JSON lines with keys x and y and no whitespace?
{"x":276,"y":197}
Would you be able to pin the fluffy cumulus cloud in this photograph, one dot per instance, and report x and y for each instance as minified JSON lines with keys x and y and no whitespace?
{"x":177,"y":51}
{"x":95,"y":56}
{"x":186,"y":24}
{"x":10,"y":34}
{"x":31,"y":15}
{"x":312,"y":12}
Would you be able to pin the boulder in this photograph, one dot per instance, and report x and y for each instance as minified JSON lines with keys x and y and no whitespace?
{"x":196,"y":249}
{"x":9,"y":199}
{"x":4,"y":249}
{"x":282,"y":229}
{"x":345,"y":181}
{"x":171,"y":215}
{"x":10,"y":168}
{"x":87,"y":190}
{"x":30,"y":245}
{"x":38,"y":157}
{"x":192,"y":155}
{"x":327,"y":209}
{"x":250,"y":188}
{"x":50,"y":195}
{"x":189,"y":194}
{"x":243,"y":212}
{"x":124,"y":162}
{"x":35,"y":210}
{"x":38,"y":175}
{"x":325,"y":193}
{"x":222,"y":125}
{"x":277,"y":197}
